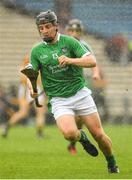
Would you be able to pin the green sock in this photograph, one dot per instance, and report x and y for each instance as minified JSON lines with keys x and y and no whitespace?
{"x":83,"y":136}
{"x":73,"y":143}
{"x":111,"y":161}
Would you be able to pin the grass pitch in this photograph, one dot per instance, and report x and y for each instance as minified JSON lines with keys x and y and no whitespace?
{"x":24,"y":156}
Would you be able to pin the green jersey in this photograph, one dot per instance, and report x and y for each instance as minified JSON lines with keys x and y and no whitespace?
{"x":59,"y":81}
{"x":86,"y":45}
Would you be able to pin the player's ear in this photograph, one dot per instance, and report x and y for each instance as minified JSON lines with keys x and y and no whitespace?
{"x":57,"y":27}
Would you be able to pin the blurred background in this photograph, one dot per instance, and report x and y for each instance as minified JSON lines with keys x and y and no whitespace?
{"x":108,"y":30}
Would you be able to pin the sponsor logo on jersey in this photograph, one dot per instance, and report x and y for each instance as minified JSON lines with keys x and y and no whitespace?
{"x":43,"y":56}
{"x":57,"y":69}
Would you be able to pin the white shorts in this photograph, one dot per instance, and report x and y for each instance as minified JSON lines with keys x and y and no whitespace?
{"x":81,"y":103}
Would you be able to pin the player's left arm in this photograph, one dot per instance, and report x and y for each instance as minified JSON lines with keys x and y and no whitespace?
{"x":83,"y":57}
{"x":87,"y":61}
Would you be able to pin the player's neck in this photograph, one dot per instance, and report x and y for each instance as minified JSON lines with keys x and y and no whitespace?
{"x":55,"y":39}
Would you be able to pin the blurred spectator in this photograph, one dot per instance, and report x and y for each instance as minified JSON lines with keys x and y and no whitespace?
{"x":117,"y":49}
{"x":12,"y":96}
{"x":99,"y":86}
{"x":24,"y":100}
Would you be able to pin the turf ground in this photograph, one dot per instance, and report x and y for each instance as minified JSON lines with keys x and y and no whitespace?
{"x":23,"y":155}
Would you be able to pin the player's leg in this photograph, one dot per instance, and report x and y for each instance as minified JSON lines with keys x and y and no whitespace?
{"x":93,"y":123}
{"x":87,"y":110}
{"x":40,"y":120}
{"x":64,"y":114}
{"x":40,"y":116}
{"x":21,"y":113}
{"x":72,"y":145}
{"x":68,"y":127}
{"x":17,"y":116}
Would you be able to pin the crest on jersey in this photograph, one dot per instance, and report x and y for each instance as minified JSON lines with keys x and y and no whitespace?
{"x":64,"y":49}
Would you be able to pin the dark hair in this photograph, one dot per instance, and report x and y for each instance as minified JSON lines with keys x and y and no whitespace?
{"x":46,"y":17}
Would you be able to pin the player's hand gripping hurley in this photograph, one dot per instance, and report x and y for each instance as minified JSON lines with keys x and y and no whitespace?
{"x":32,"y":75}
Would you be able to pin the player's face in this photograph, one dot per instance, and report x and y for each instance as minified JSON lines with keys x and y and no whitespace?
{"x":47,"y":31}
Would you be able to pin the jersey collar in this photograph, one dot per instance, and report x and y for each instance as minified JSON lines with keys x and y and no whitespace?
{"x":58,"y":36}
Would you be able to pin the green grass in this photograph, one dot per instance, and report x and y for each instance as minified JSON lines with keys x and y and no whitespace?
{"x":23,"y":155}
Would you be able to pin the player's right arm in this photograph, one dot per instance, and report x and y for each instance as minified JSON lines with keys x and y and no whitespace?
{"x":32,"y":93}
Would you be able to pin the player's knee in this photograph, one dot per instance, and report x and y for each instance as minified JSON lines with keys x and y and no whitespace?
{"x":70,"y":135}
{"x":99,"y":135}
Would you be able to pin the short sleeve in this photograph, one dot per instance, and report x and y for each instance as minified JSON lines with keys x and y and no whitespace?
{"x":78,"y":48}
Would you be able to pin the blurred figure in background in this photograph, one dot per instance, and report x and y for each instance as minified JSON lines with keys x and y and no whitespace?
{"x":75,"y":29}
{"x":24,"y":100}
{"x":6,"y":109}
{"x":12,"y":94}
{"x":98,"y":89}
{"x":117,"y":49}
